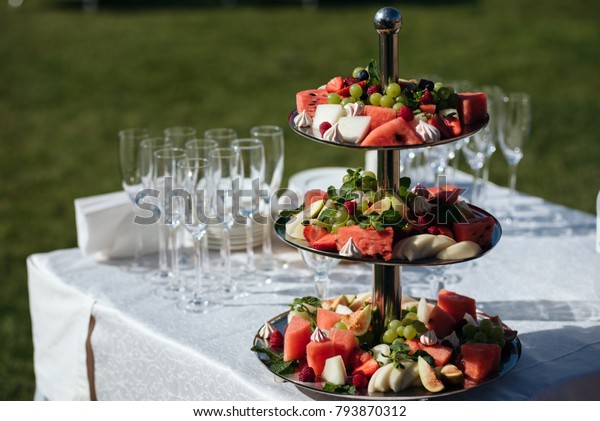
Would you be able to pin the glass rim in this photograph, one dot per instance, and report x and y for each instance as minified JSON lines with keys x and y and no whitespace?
{"x":223,"y":153}
{"x":198,"y":142}
{"x":134,"y":132}
{"x":266,"y":129}
{"x":185,"y":162}
{"x":169,"y":153}
{"x":247,"y":143}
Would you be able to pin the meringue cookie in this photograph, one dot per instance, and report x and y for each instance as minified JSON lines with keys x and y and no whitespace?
{"x":333,"y":134}
{"x":266,"y":330}
{"x":354,"y":108}
{"x":318,"y":335}
{"x":427,"y":132}
{"x":303,"y":120}
{"x":429,"y":338}
{"x":350,"y":249}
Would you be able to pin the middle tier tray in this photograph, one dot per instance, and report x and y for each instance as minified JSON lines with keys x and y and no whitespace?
{"x":303,"y":244}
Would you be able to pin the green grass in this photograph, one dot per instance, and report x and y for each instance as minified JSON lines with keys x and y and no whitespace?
{"x":69,"y":80}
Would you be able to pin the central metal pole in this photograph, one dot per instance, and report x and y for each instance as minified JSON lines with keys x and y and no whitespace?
{"x":387,"y":281}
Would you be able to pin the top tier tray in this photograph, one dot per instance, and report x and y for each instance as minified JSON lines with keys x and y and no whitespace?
{"x":309,"y":133}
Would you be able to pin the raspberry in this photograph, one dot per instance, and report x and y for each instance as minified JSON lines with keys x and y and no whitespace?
{"x":349,"y":81}
{"x":307,"y":374}
{"x":324,"y":126}
{"x":406,"y":113}
{"x":350,"y":206}
{"x":433,"y":230}
{"x":427,"y":98}
{"x":276,"y":340}
{"x":360,"y":381}
{"x":372,"y":89}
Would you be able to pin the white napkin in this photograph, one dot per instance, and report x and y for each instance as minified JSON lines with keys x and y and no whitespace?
{"x":105,"y":226}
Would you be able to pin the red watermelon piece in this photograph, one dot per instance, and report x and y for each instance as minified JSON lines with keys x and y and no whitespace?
{"x":427,"y":108}
{"x":327,"y":318}
{"x":453,"y":124}
{"x":370,"y":242}
{"x":480,"y":360}
{"x":317,"y":353}
{"x":379,"y":115}
{"x":439,"y":124}
{"x":440,"y":354}
{"x":368,"y":368}
{"x":313,"y":233}
{"x":393,"y":133}
{"x":326,"y":243}
{"x":457,"y":305}
{"x":309,"y":99}
{"x":345,"y":344}
{"x":444,"y":194}
{"x":414,"y":345}
{"x":479,"y":230}
{"x":296,"y":337}
{"x":472,"y":107}
{"x":441,"y":322}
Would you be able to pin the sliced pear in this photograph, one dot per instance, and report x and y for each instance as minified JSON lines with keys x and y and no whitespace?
{"x":359,"y":300}
{"x":424,"y":310}
{"x":380,"y":382}
{"x":430,"y":380}
{"x":294,"y":227}
{"x":461,"y":250}
{"x":451,"y":374}
{"x":314,"y":209}
{"x":381,"y":353}
{"x":334,"y":370}
{"x":403,"y":378}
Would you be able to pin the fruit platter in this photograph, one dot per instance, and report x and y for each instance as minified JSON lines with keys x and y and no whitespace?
{"x":435,"y":348}
{"x":412,"y":226}
{"x":362,"y":112}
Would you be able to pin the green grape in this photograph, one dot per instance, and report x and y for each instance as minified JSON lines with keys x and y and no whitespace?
{"x":350,"y":222}
{"x":386,"y":101}
{"x":469,"y":331}
{"x":480,"y":337}
{"x":340,"y":326}
{"x":356,"y":70}
{"x":435,"y":96}
{"x":375,"y":98}
{"x":412,"y":315}
{"x":438,"y":85}
{"x":402,"y":99}
{"x":400,"y":330}
{"x":348,"y":100}
{"x":398,"y":341}
{"x":453,"y":100}
{"x":496,"y":333}
{"x":394,"y":324}
{"x":356,"y":90}
{"x":389,"y":336}
{"x":444,"y":93}
{"x":333,"y":98}
{"x":393,"y":90}
{"x":485,"y":326}
{"x":397,"y":106}
{"x":410,"y":332}
{"x":346,"y":178}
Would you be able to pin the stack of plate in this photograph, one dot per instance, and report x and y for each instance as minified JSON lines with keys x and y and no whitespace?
{"x":237,"y":236}
{"x":316,"y":178}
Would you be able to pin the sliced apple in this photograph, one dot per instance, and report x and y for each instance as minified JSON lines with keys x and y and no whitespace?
{"x":294,"y":227}
{"x":342,"y":309}
{"x":334,"y":370}
{"x":430,"y":380}
{"x":314,"y":209}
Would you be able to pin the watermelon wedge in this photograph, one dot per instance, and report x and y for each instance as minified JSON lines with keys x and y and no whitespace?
{"x":395,"y":132}
{"x":478,"y":230}
{"x":308,"y":100}
{"x":379,"y":115}
{"x":472,"y":107}
{"x":370,"y":242}
{"x":480,"y":360}
{"x":296,"y":337}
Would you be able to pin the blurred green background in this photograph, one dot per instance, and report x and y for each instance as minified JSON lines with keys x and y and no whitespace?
{"x":70,"y":79}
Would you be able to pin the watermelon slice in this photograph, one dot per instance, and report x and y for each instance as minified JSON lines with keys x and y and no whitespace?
{"x":393,"y":133}
{"x":379,"y":115}
{"x":439,"y":124}
{"x":478,"y":230}
{"x":327,"y":318}
{"x":440,"y":354}
{"x":457,"y":305}
{"x":370,"y":242}
{"x":313,"y":233}
{"x":453,"y":124}
{"x":308,"y":100}
{"x":480,"y":360}
{"x":472,"y":107}
{"x":345,"y":344}
{"x":317,"y":353}
{"x":444,"y":194}
{"x":296,"y":337}
{"x":326,"y":243}
{"x":427,"y":108}
{"x":441,"y":322}
{"x":368,"y":368}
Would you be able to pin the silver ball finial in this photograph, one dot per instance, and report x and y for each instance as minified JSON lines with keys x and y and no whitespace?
{"x":388,"y":20}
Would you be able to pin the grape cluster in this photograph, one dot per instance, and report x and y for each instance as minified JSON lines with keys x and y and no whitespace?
{"x":408,"y":328}
{"x":485,"y":333}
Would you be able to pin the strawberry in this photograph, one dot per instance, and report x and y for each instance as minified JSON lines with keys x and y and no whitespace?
{"x":426,"y":98}
{"x":276,"y":340}
{"x":345,"y":92}
{"x":406,"y":113}
{"x":372,"y":89}
{"x":349,"y":81}
{"x":335,"y":84}
{"x":350,"y":206}
{"x":324,"y":126}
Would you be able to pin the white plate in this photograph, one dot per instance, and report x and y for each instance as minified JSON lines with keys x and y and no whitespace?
{"x":316,"y":178}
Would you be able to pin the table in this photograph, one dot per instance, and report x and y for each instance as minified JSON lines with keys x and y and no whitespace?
{"x":94,"y":323}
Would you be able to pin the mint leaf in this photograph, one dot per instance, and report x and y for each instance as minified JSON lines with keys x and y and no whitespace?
{"x":336,"y":388}
{"x":276,"y":363}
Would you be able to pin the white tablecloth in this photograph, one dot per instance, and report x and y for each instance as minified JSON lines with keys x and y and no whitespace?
{"x":544,"y":281}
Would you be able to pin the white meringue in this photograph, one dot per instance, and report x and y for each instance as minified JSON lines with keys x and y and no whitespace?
{"x":318,"y":335}
{"x":427,"y":132}
{"x":350,"y":249}
{"x":333,"y":134}
{"x":354,"y":108}
{"x":303,"y":120}
{"x":266,"y":330}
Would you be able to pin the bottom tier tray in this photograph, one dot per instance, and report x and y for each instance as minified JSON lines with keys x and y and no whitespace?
{"x":510,"y":356}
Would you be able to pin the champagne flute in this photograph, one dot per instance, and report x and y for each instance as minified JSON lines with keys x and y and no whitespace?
{"x":321,"y":265}
{"x":516,"y":127}
{"x":177,"y":136}
{"x":474,"y":150}
{"x":273,"y":143}
{"x":130,"y":164}
{"x":165,"y":177}
{"x":223,"y":135}
{"x":199,"y":148}
{"x":194,"y":176}
{"x":247,"y":196}
{"x":437,"y":157}
{"x":224,"y":164}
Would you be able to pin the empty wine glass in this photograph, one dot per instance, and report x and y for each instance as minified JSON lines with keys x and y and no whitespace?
{"x":199,"y":148}
{"x":437,"y":158}
{"x":321,"y":265}
{"x":130,"y":164}
{"x":164,"y":177}
{"x":177,"y":136}
{"x":224,"y":163}
{"x":194,"y":177}
{"x":273,"y":144}
{"x":223,"y":135}
{"x":247,"y":197}
{"x":516,"y":126}
{"x":475,"y":151}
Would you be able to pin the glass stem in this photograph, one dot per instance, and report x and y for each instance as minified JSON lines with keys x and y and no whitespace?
{"x":476,"y":185}
{"x":512,"y":189}
{"x":267,"y":244}
{"x":174,"y":239}
{"x":205,"y":256}
{"x":163,"y":260}
{"x":227,"y":283}
{"x":250,"y":267}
